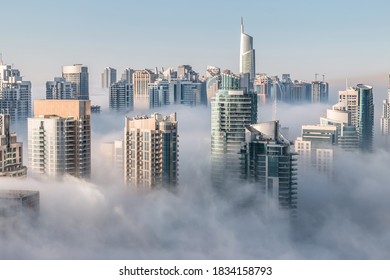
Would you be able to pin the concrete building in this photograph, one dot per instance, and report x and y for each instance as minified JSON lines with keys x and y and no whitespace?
{"x":247,"y":54}
{"x":141,"y":80}
{"x":77,"y":74}
{"x":151,"y":151}
{"x":59,"y":138}
{"x":158,"y":93}
{"x":121,"y":97}
{"x":112,"y":152}
{"x":231,"y":110}
{"x":319,"y":92}
{"x":127,"y":75}
{"x":15,"y":202}
{"x":11,"y":151}
{"x":15,"y":94}
{"x":267,"y":161}
{"x":385,"y":118}
{"x":59,"y":89}
{"x":108,"y":77}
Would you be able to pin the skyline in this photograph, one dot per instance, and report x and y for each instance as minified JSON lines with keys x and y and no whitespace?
{"x":339,"y":44}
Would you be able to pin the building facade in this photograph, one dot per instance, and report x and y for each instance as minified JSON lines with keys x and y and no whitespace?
{"x":141,"y":80}
{"x":59,"y":89}
{"x":231,"y":111}
{"x":121,"y":97}
{"x":108,"y":77}
{"x":11,"y":151}
{"x":385,"y":118}
{"x":267,"y":161}
{"x":247,"y":54}
{"x":77,"y":75}
{"x":59,"y":138}
{"x":15,"y":94}
{"x":151,"y":151}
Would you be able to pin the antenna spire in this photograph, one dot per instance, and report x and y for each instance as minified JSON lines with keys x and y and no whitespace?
{"x":242,"y":25}
{"x":346,"y":83}
{"x":1,"y":59}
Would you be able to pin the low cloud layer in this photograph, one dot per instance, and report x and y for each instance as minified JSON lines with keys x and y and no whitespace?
{"x":344,"y":217}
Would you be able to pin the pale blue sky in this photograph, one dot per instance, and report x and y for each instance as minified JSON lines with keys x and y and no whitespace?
{"x":334,"y":37}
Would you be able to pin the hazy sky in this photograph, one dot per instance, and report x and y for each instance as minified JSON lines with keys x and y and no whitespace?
{"x":333,"y":37}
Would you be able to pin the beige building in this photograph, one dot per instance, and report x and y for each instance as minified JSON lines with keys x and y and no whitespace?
{"x":11,"y":151}
{"x":141,"y":80}
{"x":151,"y":151}
{"x":59,"y":138}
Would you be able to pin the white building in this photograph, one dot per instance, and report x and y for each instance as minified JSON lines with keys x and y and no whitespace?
{"x":59,"y":138}
{"x":247,"y":54}
{"x":385,"y":118}
{"x":77,"y":74}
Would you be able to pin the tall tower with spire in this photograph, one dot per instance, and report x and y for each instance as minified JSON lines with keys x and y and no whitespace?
{"x":385,"y":119}
{"x":247,"y":54}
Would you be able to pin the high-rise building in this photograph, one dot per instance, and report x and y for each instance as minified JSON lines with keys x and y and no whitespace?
{"x":15,"y":202}
{"x":11,"y":151}
{"x":112,"y":152}
{"x":267,"y":160}
{"x":247,"y":54}
{"x":77,"y":74}
{"x":319,"y":92}
{"x":108,"y":77}
{"x":121,"y":97}
{"x":59,"y":138}
{"x":158,"y":93}
{"x":231,"y":110}
{"x":59,"y":89}
{"x":15,"y":94}
{"x":141,"y":80}
{"x":127,"y":75}
{"x":365,"y":117}
{"x":385,"y":118}
{"x":351,"y":97}
{"x":151,"y":151}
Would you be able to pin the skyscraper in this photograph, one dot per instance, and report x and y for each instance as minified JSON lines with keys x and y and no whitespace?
{"x":231,"y":110}
{"x":365,"y":117}
{"x":247,"y":54}
{"x":59,"y":89}
{"x":121,"y":96}
{"x":141,"y":80}
{"x":77,"y":74}
{"x":11,"y":151}
{"x":158,"y":93}
{"x":108,"y":77}
{"x":15,"y":94}
{"x":385,"y":119}
{"x":151,"y":151}
{"x":267,"y":160}
{"x":59,"y":138}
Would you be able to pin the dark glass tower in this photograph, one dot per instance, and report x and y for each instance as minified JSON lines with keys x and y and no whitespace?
{"x":365,"y":117}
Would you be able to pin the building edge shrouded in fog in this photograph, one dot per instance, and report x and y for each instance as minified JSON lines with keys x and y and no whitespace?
{"x":267,"y":161}
{"x":11,"y":151}
{"x":15,"y":202}
{"x":231,"y":110}
{"x":151,"y":151}
{"x":77,"y":75}
{"x":59,"y":138}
